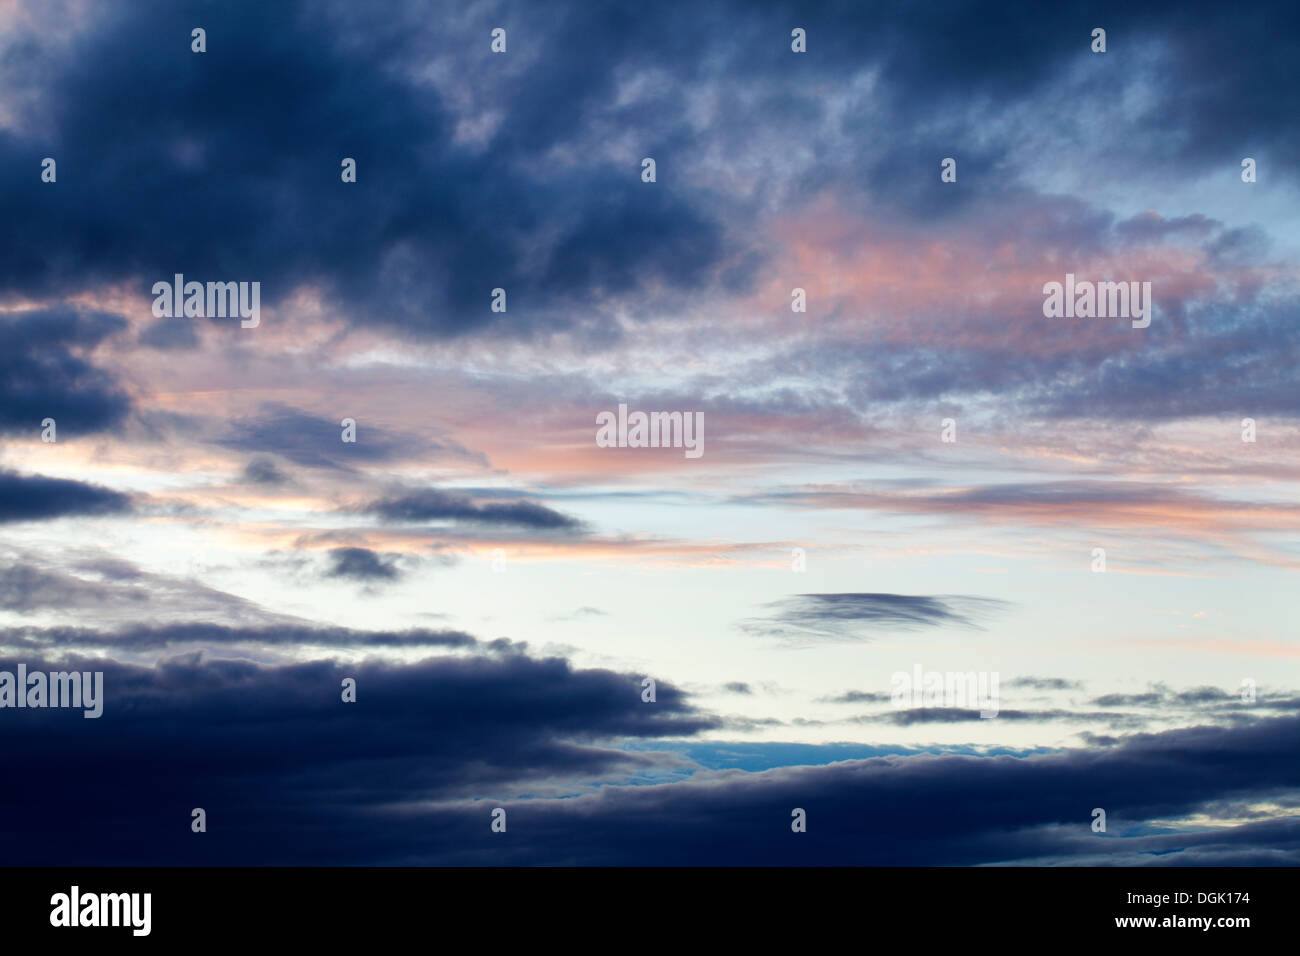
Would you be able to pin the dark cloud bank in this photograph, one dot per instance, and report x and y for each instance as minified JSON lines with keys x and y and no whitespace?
{"x":409,"y":773}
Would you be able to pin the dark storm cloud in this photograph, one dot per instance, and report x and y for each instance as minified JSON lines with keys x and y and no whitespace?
{"x":937,"y":810}
{"x":234,"y":153}
{"x":362,"y":564}
{"x":37,"y":498}
{"x":410,"y":771}
{"x":43,"y":376}
{"x":852,"y":616}
{"x":225,"y":166}
{"x":539,"y":208}
{"x":942,"y":62}
{"x":432,"y":504}
{"x":277,"y":757}
{"x":234,"y":159}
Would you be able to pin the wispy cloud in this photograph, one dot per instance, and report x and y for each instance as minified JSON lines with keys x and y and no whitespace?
{"x":812,"y":618}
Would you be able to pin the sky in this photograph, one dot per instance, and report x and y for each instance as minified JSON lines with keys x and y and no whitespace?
{"x":355,"y":651}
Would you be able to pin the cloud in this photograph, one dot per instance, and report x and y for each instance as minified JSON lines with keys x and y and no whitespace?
{"x":74,"y":583}
{"x":408,"y":773}
{"x":1163,"y":509}
{"x":275,"y":755}
{"x":37,"y":498}
{"x":772,"y":170}
{"x":286,"y":633}
{"x":170,"y":335}
{"x":583,"y":613}
{"x":1160,"y":695}
{"x":263,"y":471}
{"x":942,"y":809}
{"x":805,"y":618}
{"x":362,"y":564}
{"x":43,"y":375}
{"x":432,"y":504}
{"x":317,"y":442}
{"x":434,"y":221}
{"x":958,"y":715}
{"x":859,"y":697}
{"x":1044,"y":683}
